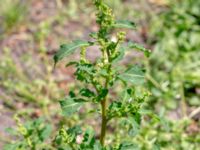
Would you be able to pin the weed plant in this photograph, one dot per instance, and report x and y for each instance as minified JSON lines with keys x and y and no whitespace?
{"x":99,"y":80}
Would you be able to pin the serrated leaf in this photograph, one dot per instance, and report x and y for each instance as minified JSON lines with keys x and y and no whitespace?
{"x":67,"y":49}
{"x":69,"y":106}
{"x":86,"y":68}
{"x":140,"y":47}
{"x":84,"y":72}
{"x":124,"y":24}
{"x":134,"y":75}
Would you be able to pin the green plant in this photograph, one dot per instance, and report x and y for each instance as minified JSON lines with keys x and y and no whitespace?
{"x":25,"y":87}
{"x":176,"y":73}
{"x":35,"y":134}
{"x":113,"y":93}
{"x":100,"y":77}
{"x":42,"y":34}
{"x":12,"y":13}
{"x":173,"y":74}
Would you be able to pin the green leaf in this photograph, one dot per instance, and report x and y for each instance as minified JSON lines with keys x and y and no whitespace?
{"x":115,"y":110}
{"x":88,"y":68}
{"x":75,"y":130}
{"x":71,"y":63}
{"x":46,"y":132}
{"x":11,"y":131}
{"x":120,"y":55}
{"x":134,"y":75}
{"x":102,"y":94}
{"x":69,"y":106}
{"x":140,"y":47}
{"x":88,"y":140}
{"x":87,"y":93}
{"x":67,"y":49}
{"x":89,"y":136}
{"x":164,"y":123}
{"x":84,"y":72}
{"x":128,"y":146}
{"x":156,"y":147}
{"x":93,"y":35}
{"x":11,"y":146}
{"x":135,"y":126}
{"x":97,"y":146}
{"x":124,"y":24}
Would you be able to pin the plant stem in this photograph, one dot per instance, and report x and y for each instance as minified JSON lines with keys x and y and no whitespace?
{"x":103,"y":116}
{"x":103,"y":122}
{"x":183,"y":101}
{"x":103,"y":112}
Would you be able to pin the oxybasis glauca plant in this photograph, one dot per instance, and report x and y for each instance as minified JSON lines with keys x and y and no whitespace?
{"x":99,"y":78}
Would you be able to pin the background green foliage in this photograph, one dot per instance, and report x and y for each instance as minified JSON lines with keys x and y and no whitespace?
{"x":12,"y":12}
{"x":178,"y":42}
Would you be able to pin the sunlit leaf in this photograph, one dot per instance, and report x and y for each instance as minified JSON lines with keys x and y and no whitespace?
{"x":135,"y":125}
{"x":134,"y":75}
{"x":67,"y":49}
{"x":125,"y":24}
{"x":45,"y":133}
{"x":69,"y":106}
{"x":139,"y":47}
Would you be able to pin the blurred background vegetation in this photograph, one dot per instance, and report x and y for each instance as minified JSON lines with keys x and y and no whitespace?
{"x":31,"y":31}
